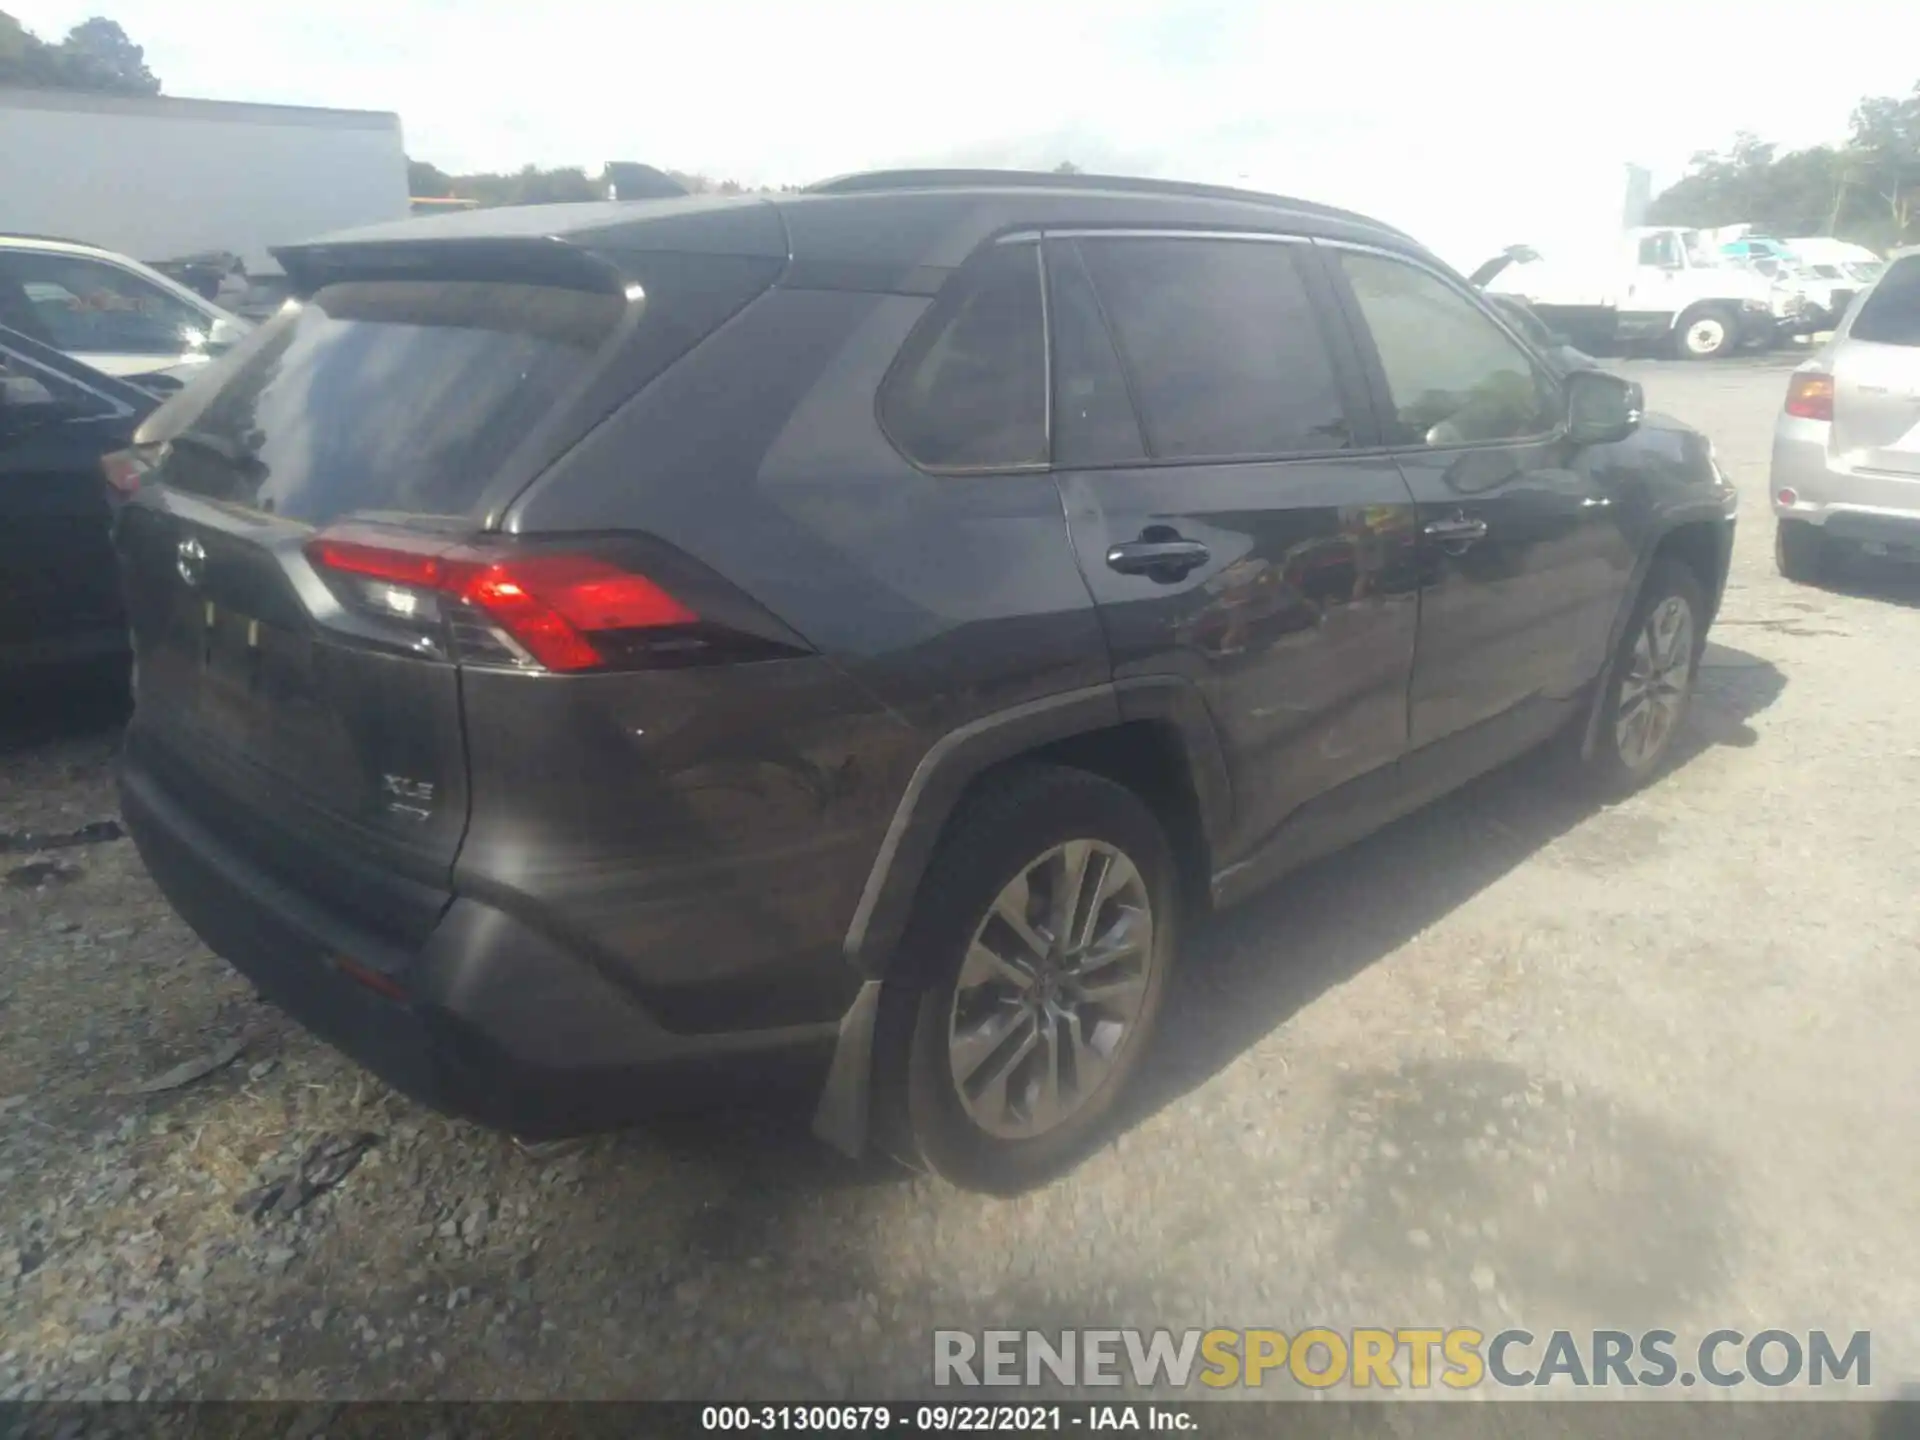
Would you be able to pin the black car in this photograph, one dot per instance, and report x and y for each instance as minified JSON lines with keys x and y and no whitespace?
{"x":59,"y":586}
{"x":586,"y":651}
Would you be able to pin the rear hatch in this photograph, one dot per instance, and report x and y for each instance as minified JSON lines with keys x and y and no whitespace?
{"x":308,"y":562}
{"x":1876,"y":381}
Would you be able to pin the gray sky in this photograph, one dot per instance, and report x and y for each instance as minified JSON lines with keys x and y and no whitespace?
{"x":1468,"y":123}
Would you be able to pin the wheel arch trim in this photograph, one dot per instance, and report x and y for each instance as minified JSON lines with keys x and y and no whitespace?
{"x":1672,"y":522}
{"x":951,"y":764}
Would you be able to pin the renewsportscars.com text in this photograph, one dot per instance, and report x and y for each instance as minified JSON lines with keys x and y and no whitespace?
{"x":1401,"y":1358}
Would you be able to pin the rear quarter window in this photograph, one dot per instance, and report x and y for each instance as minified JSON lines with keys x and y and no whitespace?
{"x":969,"y":389}
{"x":1890,"y":315}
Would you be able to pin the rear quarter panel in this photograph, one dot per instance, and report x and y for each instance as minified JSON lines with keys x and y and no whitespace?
{"x":931,"y":601}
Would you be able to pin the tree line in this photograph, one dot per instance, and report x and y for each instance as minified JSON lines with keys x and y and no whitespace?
{"x":531,"y":185}
{"x":96,"y":55}
{"x":1866,"y":190}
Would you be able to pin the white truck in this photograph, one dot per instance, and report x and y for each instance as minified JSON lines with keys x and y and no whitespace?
{"x":1648,"y":284}
{"x":163,"y":179}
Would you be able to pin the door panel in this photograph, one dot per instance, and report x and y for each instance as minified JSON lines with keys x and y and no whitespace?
{"x":1522,"y":614}
{"x":1281,"y":586}
{"x":1299,"y":627}
{"x":1522,"y":552}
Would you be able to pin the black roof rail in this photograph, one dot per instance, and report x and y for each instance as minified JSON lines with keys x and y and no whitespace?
{"x":871,"y":182}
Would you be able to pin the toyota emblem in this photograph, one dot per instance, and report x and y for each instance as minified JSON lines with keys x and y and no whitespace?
{"x":191,"y":561}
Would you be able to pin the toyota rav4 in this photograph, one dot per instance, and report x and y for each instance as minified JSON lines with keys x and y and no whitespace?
{"x":584,"y":651}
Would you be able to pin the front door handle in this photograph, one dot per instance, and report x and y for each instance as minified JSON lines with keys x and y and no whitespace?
{"x":1162,"y":560}
{"x":1456,"y":533}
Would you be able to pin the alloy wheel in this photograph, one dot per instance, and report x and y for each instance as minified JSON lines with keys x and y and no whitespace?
{"x":1654,"y":690}
{"x":1051,"y":988}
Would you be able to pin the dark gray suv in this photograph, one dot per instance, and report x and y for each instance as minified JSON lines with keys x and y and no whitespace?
{"x":589,"y":655}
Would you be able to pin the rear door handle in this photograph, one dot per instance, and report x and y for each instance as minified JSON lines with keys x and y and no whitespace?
{"x":1456,"y":533}
{"x":1162,"y":560}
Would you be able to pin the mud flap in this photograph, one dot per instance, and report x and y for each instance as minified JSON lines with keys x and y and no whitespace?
{"x":842,"y":1118}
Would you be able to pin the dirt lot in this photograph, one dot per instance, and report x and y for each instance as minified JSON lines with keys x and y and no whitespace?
{"x":1517,"y":1060}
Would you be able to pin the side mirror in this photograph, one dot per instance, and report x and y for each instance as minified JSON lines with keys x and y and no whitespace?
{"x":1602,"y":408}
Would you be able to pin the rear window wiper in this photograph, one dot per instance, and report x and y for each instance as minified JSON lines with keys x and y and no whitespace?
{"x":221,"y":448}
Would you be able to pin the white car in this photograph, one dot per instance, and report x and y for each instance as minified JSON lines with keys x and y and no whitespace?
{"x":117,"y":315}
{"x":1846,"y":447}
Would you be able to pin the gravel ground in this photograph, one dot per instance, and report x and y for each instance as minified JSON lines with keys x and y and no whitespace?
{"x":1517,"y":1060}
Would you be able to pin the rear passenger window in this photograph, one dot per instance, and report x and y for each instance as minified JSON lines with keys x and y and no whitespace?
{"x":1890,"y":315}
{"x":969,"y":390}
{"x":1221,"y":345}
{"x":1453,"y":375}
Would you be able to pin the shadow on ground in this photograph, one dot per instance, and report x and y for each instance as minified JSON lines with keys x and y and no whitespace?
{"x":39,"y":707}
{"x":1340,"y":914}
{"x":1877,"y":578}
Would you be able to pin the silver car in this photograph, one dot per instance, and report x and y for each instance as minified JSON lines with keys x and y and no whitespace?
{"x":1846,"y":449}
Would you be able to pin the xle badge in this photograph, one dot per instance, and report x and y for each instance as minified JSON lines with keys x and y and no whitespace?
{"x":411,"y":798}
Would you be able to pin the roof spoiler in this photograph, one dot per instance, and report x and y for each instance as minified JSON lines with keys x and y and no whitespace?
{"x":626,"y":180}
{"x":518,"y":259}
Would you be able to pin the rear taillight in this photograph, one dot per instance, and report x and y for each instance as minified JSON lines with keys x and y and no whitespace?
{"x":556,"y":611}
{"x":1810,"y":397}
{"x":124,"y":470}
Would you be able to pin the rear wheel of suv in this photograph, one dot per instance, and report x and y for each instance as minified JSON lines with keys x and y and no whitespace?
{"x":1801,"y":552}
{"x":1030,"y":979}
{"x":1652,"y":679}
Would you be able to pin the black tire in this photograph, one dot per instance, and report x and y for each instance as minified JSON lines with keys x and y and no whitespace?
{"x":1693,"y":327}
{"x":1613,"y":768}
{"x":997,"y":835}
{"x":1801,"y":552}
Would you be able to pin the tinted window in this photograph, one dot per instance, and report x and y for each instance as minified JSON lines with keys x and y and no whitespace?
{"x":1093,"y":417}
{"x":1890,"y":315}
{"x":87,"y":306}
{"x":970,"y":388}
{"x":1454,"y":377}
{"x":394,"y":395}
{"x":1221,"y":346}
{"x":30,"y":391}
{"x":1660,"y":250}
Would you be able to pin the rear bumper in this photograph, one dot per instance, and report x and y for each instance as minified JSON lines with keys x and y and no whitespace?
{"x":1869,"y":505}
{"x":494,"y":1021}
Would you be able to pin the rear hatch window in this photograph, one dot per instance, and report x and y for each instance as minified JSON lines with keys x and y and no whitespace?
{"x":1890,"y":314}
{"x":391,"y":395}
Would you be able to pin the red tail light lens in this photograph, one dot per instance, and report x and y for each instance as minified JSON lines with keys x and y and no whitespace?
{"x":549,"y":607}
{"x":1810,"y":397}
{"x":123,"y":469}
